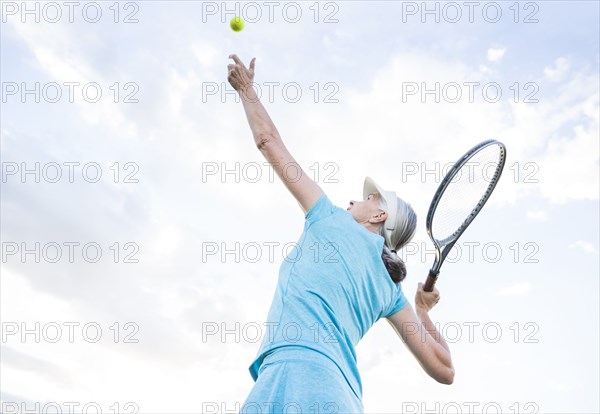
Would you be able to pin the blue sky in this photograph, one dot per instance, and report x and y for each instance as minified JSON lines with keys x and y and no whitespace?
{"x":540,"y":290}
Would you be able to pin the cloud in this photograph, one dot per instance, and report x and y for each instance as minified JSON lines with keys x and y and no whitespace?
{"x":23,"y":362}
{"x":566,"y":387}
{"x":553,"y":143}
{"x":495,"y":55}
{"x":65,"y":60}
{"x":537,"y":215}
{"x":9,"y":401}
{"x":561,"y":129}
{"x":568,"y":169}
{"x":584,"y":246}
{"x":205,"y":53}
{"x":518,"y":289}
{"x":557,"y":72}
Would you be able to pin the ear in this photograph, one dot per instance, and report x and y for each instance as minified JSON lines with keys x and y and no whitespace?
{"x":379,"y":217}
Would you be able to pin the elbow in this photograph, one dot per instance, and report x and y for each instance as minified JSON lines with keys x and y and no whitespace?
{"x":447,"y":377}
{"x":263,"y":140}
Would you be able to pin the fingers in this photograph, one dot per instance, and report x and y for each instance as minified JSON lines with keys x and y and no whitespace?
{"x":434,"y":292}
{"x":236,"y":59}
{"x":437,"y":296}
{"x":252,"y":62}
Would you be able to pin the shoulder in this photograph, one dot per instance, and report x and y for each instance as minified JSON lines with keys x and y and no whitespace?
{"x":323,"y":208}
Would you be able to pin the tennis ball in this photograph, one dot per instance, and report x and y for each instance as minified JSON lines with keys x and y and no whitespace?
{"x":237,"y":24}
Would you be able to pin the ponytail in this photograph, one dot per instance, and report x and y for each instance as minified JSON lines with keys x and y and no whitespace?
{"x":405,"y":227}
{"x":394,"y":264}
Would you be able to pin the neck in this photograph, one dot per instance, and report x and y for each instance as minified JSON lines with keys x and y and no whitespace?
{"x":369,"y":226}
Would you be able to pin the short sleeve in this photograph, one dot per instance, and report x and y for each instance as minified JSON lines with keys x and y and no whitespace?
{"x":399,"y":302}
{"x":322,"y":208}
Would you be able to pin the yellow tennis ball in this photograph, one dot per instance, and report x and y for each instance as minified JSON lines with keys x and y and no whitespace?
{"x":237,"y":24}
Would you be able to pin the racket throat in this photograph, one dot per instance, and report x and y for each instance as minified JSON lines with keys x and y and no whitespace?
{"x":434,"y":273}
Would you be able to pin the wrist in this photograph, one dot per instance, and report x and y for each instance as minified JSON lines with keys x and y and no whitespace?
{"x":247,"y":93}
{"x":421,"y":309}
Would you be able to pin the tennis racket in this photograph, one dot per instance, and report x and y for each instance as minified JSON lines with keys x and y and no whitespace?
{"x":460,"y":197}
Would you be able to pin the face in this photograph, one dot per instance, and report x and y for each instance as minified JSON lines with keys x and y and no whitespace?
{"x":367,"y":211}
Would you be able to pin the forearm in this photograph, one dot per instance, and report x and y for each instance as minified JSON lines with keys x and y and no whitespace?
{"x":259,"y":120}
{"x":430,"y":327}
{"x":442,"y":351}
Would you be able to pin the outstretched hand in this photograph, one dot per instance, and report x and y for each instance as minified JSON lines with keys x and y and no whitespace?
{"x":238,"y":76}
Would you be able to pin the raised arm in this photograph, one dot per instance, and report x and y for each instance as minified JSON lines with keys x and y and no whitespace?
{"x":421,"y":337}
{"x":268,"y":140}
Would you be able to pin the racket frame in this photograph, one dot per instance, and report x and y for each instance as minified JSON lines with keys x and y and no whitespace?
{"x":443,"y":247}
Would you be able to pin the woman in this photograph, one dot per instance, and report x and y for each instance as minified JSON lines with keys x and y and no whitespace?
{"x":345,"y":276}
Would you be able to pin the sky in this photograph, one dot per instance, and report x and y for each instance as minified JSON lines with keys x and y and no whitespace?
{"x":142,"y":231}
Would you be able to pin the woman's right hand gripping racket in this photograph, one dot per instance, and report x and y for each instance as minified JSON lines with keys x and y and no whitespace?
{"x":460,"y":197}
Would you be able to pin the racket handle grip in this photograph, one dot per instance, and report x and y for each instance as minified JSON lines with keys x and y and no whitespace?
{"x":431,"y":279}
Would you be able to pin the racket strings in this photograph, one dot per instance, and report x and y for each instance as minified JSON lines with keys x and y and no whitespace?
{"x":469,"y":188}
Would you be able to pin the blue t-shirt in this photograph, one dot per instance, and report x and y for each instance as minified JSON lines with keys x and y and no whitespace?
{"x":332,"y":287}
